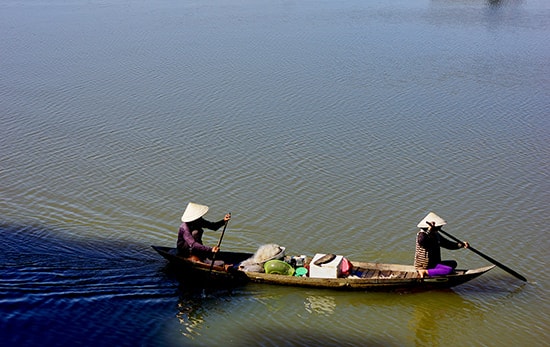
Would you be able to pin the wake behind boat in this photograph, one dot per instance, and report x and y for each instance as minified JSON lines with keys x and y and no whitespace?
{"x":333,"y":272}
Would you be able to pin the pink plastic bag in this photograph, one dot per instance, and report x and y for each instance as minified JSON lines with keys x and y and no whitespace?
{"x":345,"y":267}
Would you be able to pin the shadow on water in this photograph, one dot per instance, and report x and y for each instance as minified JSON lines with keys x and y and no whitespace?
{"x":65,"y":291}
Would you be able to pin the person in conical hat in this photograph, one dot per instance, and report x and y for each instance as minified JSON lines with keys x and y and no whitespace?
{"x":427,"y":256}
{"x":191,"y":231}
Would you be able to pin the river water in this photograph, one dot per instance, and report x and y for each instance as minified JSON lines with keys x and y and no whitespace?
{"x":323,"y":126}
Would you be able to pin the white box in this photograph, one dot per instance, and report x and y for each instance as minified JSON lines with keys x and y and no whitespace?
{"x":327,"y":270}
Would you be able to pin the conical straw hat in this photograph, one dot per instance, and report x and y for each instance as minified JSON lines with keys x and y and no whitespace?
{"x":431,"y":217}
{"x":193,"y":212}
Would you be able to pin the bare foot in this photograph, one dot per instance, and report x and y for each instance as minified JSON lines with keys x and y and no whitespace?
{"x":422,"y":273}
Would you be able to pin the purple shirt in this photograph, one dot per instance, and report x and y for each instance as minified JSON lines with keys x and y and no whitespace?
{"x":190,"y":235}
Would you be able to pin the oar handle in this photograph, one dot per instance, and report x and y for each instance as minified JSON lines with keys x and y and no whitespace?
{"x":486,"y":257}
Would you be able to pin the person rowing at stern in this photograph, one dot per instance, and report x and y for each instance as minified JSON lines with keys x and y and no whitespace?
{"x":427,"y":257}
{"x":191,"y":230}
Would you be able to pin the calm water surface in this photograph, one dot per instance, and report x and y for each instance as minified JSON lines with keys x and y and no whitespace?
{"x":323,"y":126}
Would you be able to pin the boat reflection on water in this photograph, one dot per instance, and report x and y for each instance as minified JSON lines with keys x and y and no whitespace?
{"x":190,"y":315}
{"x":320,"y":304}
{"x":253,"y":313}
{"x":435,"y":314}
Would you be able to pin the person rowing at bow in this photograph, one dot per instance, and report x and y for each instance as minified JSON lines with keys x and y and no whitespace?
{"x":191,"y":231}
{"x":427,"y":257}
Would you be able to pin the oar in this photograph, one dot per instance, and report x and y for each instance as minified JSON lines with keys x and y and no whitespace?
{"x":219,"y":243}
{"x":486,"y":257}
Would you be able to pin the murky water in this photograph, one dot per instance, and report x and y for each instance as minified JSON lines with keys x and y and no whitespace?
{"x":322,"y":126}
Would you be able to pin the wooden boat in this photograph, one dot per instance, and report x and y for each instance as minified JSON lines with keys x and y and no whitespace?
{"x":363,"y":275}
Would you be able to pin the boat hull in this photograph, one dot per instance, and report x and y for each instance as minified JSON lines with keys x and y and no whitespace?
{"x":365,"y":276}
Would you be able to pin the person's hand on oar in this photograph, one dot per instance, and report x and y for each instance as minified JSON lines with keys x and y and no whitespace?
{"x":432,"y":227}
{"x":226,"y":220}
{"x":227,"y":217}
{"x":216,"y":248}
